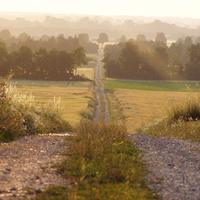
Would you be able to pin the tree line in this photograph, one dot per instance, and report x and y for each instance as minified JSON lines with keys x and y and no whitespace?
{"x":59,"y":42}
{"x":153,"y":60}
{"x":42,"y":64}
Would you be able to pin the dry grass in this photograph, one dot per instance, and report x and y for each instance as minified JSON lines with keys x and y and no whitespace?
{"x":73,"y":96}
{"x":142,"y":107}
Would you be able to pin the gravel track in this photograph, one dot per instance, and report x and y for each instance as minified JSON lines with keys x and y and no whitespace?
{"x":174,"y":166}
{"x":27,"y":163}
{"x":100,"y":91}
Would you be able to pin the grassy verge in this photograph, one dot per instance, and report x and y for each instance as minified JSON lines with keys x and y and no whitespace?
{"x":20,"y":115}
{"x":102,"y":164}
{"x":182,"y":121}
{"x":115,"y":114}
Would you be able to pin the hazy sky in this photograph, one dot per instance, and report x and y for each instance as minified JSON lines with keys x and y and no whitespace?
{"x":177,"y":8}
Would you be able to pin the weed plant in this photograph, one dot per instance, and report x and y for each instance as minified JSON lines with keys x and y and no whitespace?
{"x":20,"y":115}
{"x":103,"y":164}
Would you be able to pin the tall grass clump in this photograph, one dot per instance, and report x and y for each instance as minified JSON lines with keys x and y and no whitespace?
{"x":186,"y":111}
{"x":182,"y":121}
{"x":104,"y":164}
{"x":20,"y":115}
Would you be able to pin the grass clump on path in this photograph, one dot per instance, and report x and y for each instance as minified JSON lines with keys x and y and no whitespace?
{"x":20,"y":115}
{"x":103,"y":164}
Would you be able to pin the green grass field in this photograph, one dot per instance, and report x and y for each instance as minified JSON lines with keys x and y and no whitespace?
{"x":176,"y":86}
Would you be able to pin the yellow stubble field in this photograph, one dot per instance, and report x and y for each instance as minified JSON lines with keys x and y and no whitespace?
{"x":142,"y":107}
{"x":70,"y":97}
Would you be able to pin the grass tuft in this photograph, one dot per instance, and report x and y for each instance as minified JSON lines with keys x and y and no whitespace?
{"x":182,"y":121}
{"x":186,"y":111}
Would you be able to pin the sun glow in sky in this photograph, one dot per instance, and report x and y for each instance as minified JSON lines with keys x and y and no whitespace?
{"x":174,"y":8}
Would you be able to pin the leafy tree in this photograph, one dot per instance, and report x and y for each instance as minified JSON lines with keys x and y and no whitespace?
{"x":103,"y":37}
{"x":175,"y":67}
{"x":5,"y":34}
{"x":193,"y":66}
{"x":83,"y":39}
{"x":123,"y":39}
{"x":41,"y":59}
{"x":91,"y":47}
{"x":61,"y":42}
{"x":141,"y":37}
{"x":22,"y":62}
{"x":161,"y":61}
{"x":197,"y":40}
{"x":65,"y":64}
{"x":160,"y":37}
{"x":130,"y":59}
{"x":188,"y":41}
{"x":72,"y":43}
{"x":4,"y":68}
{"x":23,"y":36}
{"x":79,"y":57}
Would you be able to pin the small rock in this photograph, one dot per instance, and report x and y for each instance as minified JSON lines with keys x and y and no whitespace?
{"x":13,"y":189}
{"x":38,"y":191}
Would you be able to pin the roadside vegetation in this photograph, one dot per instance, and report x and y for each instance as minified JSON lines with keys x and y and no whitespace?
{"x":181,"y":121}
{"x":71,"y":97}
{"x":102,"y":164}
{"x":20,"y":115}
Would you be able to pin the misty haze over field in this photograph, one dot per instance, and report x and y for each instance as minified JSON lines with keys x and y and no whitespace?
{"x":38,"y":24}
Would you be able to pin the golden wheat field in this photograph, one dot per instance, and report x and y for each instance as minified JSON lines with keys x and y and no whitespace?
{"x":70,"y":97}
{"x":142,"y":107}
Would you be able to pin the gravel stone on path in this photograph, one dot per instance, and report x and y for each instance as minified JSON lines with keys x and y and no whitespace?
{"x":174,"y":166}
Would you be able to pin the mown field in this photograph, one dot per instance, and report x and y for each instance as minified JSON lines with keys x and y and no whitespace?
{"x":71,"y":97}
{"x":143,"y":102}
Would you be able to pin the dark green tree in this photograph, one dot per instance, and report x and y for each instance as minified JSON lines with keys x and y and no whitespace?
{"x":41,"y":59}
{"x":5,"y":34}
{"x":22,"y":63}
{"x":161,"y":61}
{"x":193,"y":66}
{"x":141,"y":37}
{"x":79,"y":57}
{"x":130,"y":60}
{"x":103,"y":37}
{"x":123,"y":39}
{"x":160,"y":37}
{"x":83,"y":39}
{"x":4,"y":59}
